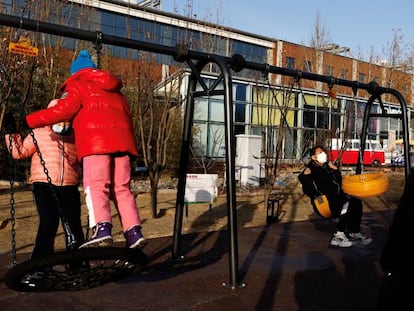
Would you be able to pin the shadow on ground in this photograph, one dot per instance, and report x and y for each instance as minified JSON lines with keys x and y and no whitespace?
{"x":283,"y":266}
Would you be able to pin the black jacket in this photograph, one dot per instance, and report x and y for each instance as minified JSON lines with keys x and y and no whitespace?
{"x":324,"y":180}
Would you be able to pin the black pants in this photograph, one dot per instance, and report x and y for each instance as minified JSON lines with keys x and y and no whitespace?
{"x":351,"y":220}
{"x":50,"y":202}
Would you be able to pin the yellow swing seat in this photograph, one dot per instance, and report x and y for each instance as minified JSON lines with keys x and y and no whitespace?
{"x":365,"y":185}
{"x":321,"y":205}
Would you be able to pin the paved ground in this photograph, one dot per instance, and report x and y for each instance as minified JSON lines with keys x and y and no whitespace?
{"x":281,"y":266}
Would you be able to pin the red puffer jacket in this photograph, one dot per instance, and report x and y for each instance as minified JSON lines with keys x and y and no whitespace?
{"x":100,"y":113}
{"x":58,"y":152}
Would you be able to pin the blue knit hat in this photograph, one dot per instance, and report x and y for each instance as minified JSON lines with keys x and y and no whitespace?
{"x":83,"y":61}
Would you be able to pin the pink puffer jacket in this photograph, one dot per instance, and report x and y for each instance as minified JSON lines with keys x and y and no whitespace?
{"x":58,"y":151}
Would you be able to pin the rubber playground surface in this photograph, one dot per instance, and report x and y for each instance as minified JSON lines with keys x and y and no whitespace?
{"x":286,"y":265}
{"x":281,"y":266}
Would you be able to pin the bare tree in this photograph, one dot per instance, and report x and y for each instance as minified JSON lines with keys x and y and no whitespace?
{"x":394,"y":50}
{"x":198,"y":149}
{"x":398,"y":57}
{"x":320,"y":36}
{"x":157,"y":117}
{"x":271,"y":112}
{"x":14,"y":93}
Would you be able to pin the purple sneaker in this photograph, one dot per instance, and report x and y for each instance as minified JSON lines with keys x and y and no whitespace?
{"x":101,"y":236}
{"x":134,"y":238}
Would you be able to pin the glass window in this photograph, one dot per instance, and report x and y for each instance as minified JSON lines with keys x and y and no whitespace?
{"x":200,"y":109}
{"x":309,"y":138}
{"x":322,"y":119}
{"x":309,"y":116}
{"x":108,"y":23}
{"x":216,"y":141}
{"x":376,"y":146}
{"x":241,"y":92}
{"x":199,"y":139}
{"x":255,"y":130}
{"x":335,"y":121}
{"x":240,"y":112}
{"x":250,"y":52}
{"x":216,"y":111}
{"x":290,"y":62}
{"x":240,"y":105}
{"x":290,"y":145}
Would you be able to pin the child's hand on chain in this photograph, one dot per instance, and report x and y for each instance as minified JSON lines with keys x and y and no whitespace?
{"x":332,"y":166}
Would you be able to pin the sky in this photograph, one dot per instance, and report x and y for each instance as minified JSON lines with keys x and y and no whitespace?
{"x":360,"y":25}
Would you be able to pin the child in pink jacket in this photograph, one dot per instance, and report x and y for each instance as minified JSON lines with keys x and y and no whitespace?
{"x":59,"y":154}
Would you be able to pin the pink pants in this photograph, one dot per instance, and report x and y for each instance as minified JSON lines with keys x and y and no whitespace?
{"x":105,"y":178}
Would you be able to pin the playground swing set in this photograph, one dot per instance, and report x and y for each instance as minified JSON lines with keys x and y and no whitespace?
{"x":101,"y":265}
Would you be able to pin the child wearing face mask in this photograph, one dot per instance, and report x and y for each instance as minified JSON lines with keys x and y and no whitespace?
{"x":322,"y":177}
{"x":56,"y":145}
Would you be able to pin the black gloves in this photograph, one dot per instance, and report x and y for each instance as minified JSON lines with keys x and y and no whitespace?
{"x":9,"y":123}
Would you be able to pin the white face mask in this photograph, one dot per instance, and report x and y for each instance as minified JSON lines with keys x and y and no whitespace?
{"x":61,"y":128}
{"x":322,"y":157}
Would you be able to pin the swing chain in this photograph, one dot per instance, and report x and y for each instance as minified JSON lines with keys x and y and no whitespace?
{"x":361,"y":157}
{"x":12,"y":169}
{"x":98,"y":48}
{"x":355,"y":108}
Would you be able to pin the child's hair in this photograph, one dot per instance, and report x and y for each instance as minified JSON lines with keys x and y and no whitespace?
{"x":314,"y":148}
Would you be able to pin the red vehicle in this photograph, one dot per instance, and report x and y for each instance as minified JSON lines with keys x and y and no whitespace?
{"x":349,"y":150}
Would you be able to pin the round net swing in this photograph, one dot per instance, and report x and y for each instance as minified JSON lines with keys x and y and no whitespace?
{"x":75,"y":270}
{"x":70,"y":270}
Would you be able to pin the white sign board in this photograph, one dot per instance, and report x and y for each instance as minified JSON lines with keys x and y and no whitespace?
{"x":201,"y":188}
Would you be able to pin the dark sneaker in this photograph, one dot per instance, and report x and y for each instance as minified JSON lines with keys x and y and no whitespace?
{"x":134,"y":238}
{"x":340,"y":239}
{"x":359,"y":238}
{"x":101,"y":236}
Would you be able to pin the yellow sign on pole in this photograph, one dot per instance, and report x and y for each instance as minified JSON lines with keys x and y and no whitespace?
{"x":24,"y":47}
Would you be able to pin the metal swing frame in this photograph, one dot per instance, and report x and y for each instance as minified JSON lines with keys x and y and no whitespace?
{"x":197,"y":61}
